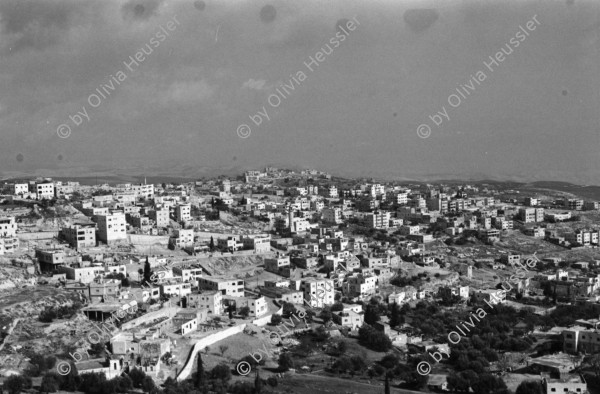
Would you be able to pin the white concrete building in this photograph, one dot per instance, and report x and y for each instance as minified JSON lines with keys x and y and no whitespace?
{"x":111,"y":227}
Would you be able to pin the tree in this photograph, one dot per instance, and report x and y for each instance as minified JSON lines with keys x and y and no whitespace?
{"x":148,"y":384}
{"x":221,"y":372}
{"x":489,"y":384}
{"x":147,"y":272}
{"x":285,"y":362}
{"x":326,"y":315}
{"x":14,"y":384}
{"x":374,"y":339}
{"x":530,"y":387}
{"x":387,"y":384}
{"x":137,"y":377}
{"x":223,"y":349}
{"x":372,"y":314}
{"x":257,"y":383}
{"x":276,"y":319}
{"x":212,"y":242}
{"x":199,"y":372}
{"x":288,"y":309}
{"x":395,"y":318}
{"x":272,"y":381}
{"x":50,"y":383}
{"x":244,"y":311}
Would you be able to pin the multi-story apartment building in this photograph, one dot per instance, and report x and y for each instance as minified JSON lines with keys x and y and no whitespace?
{"x":112,"y":227}
{"x":437,"y":204}
{"x":20,"y":189}
{"x":349,"y":318}
{"x":583,"y":237}
{"x":401,"y":198}
{"x":50,"y":259}
{"x":257,"y":305}
{"x":573,"y":204}
{"x":332,"y":215}
{"x":182,"y":238}
{"x":531,"y":202}
{"x":211,"y":300}
{"x":8,"y":227}
{"x":276,"y":264}
{"x":160,"y":216}
{"x":44,"y":190}
{"x":530,"y":215}
{"x":183,"y":212}
{"x":189,"y":274}
{"x":318,"y":292}
{"x":80,"y":235}
{"x":502,"y":223}
{"x":580,"y":339}
{"x":230,"y":287}
{"x":361,"y":286}
{"x":456,"y":205}
{"x":9,"y":245}
{"x":175,"y":288}
{"x":105,"y":290}
{"x":260,"y":243}
{"x":410,"y":230}
{"x":378,"y":219}
{"x":329,"y":192}
{"x":83,"y":274}
{"x":143,"y":190}
{"x":568,"y":384}
{"x":231,"y":243}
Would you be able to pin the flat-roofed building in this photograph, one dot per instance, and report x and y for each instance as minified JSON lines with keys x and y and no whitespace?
{"x":209,"y":300}
{"x":283,"y":294}
{"x":9,"y":245}
{"x":112,"y":227}
{"x":573,"y":204}
{"x":50,"y":260}
{"x":20,"y":189}
{"x":182,"y":238}
{"x":231,"y":243}
{"x":143,"y":190}
{"x":318,"y":292}
{"x":349,"y":318}
{"x":257,"y":305}
{"x":187,"y":320}
{"x":160,"y":217}
{"x":276,"y":264}
{"x":183,"y":212}
{"x":570,"y":384}
{"x":8,"y":226}
{"x":332,"y":215}
{"x":260,"y":243}
{"x":359,"y":285}
{"x":105,"y":290}
{"x":189,"y":274}
{"x":83,"y":274}
{"x":230,"y":287}
{"x":44,"y":190}
{"x":80,"y":235}
{"x":175,"y":288}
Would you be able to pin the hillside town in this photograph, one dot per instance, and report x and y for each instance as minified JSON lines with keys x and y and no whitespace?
{"x":288,"y":281}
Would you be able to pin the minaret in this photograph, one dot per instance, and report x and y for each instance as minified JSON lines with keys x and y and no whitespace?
{"x":291,"y":219}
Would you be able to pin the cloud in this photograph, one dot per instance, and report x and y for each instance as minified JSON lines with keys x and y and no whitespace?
{"x":188,"y":92}
{"x":255,"y":84}
{"x":34,"y":24}
{"x":140,"y":10}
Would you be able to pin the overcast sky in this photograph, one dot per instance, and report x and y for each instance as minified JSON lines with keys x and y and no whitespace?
{"x":535,"y":116}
